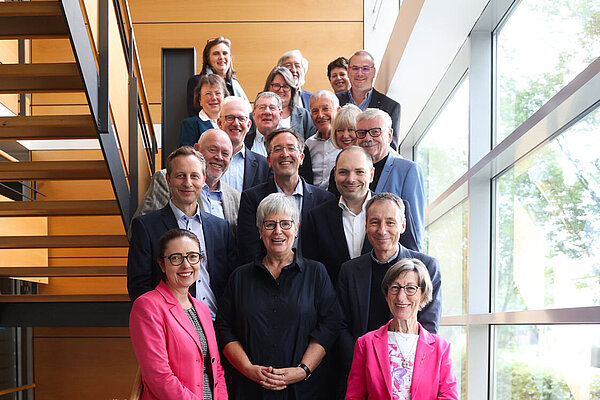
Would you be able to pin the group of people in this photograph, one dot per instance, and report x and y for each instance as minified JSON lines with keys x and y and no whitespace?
{"x":278,"y":255}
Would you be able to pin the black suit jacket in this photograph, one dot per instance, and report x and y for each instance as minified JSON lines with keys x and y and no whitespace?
{"x":256,"y":169}
{"x":249,"y":243}
{"x":323,"y":237}
{"x":143,"y":272}
{"x":354,"y":289}
{"x":382,"y":102}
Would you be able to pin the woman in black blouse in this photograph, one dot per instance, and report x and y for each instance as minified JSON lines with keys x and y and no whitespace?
{"x":279,"y":315}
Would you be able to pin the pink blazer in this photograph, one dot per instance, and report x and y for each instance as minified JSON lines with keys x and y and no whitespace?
{"x":370,"y":376}
{"x":168,"y":349}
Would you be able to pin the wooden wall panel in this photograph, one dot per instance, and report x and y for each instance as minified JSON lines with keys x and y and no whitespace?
{"x":86,"y":225}
{"x":85,"y":285}
{"x":51,"y":51}
{"x":256,"y":47}
{"x":83,"y":367}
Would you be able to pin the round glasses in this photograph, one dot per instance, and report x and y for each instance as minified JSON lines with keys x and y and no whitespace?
{"x":192,"y":258}
{"x":410,"y":290}
{"x":285,"y":224}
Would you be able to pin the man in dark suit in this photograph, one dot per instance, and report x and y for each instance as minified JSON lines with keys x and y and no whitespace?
{"x":185,"y":176}
{"x":361,"y":71}
{"x":298,"y":66}
{"x":285,"y":148}
{"x":334,"y":232}
{"x":246,"y":168}
{"x":359,"y":282}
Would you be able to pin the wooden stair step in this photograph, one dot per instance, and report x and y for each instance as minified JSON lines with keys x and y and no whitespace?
{"x":32,"y":19}
{"x":63,"y":298}
{"x":40,"y":78}
{"x":63,"y":271}
{"x":52,"y":170}
{"x":58,"y":208}
{"x":62,"y":241}
{"x":48,"y":127}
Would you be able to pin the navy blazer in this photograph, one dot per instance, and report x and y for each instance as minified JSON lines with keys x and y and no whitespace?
{"x":324,"y":240}
{"x":143,"y":272}
{"x":251,"y":246}
{"x":354,"y":292}
{"x":190,"y":130}
{"x":382,"y":102}
{"x":256,"y":169}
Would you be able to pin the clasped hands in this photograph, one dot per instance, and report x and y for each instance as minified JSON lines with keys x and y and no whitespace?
{"x":275,"y":378}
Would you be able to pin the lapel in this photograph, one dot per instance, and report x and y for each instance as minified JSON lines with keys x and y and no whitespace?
{"x":307,"y":199}
{"x":386,"y":173}
{"x":375,"y":101}
{"x":380,"y":346}
{"x":250,"y":167}
{"x":336,"y":229}
{"x":363,"y":288}
{"x":249,"y":139}
{"x":177,"y":312}
{"x":208,"y":242}
{"x":168,"y":218}
{"x":423,"y":360}
{"x":227,"y":201}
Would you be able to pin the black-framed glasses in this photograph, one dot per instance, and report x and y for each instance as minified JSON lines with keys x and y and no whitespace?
{"x":231,"y":118}
{"x":365,"y":68}
{"x":410,"y":290}
{"x":277,"y":86}
{"x":192,"y":258}
{"x":374,"y":132}
{"x":284,"y":224}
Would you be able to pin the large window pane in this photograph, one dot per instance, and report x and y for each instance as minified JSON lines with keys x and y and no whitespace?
{"x":442,"y":153}
{"x":447,"y":241}
{"x":547,"y":224}
{"x":457,"y":336}
{"x":547,"y":362}
{"x":540,"y":48}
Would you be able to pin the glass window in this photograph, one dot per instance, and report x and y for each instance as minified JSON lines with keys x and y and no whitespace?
{"x":547,"y":362}
{"x":442,"y":153}
{"x":531,"y":68}
{"x":457,"y":336}
{"x":447,"y":241}
{"x":547,"y":224}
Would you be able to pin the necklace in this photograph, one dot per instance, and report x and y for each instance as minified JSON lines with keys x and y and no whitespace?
{"x":409,"y":354}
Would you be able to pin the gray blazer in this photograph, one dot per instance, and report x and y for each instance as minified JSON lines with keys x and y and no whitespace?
{"x":158,"y":194}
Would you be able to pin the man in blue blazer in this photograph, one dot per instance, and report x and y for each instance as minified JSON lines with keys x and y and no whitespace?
{"x":285,"y":147}
{"x":246,"y":168}
{"x":359,"y":282}
{"x":361,"y":71}
{"x":393,"y":173}
{"x":185,"y":176}
{"x":334,"y":232}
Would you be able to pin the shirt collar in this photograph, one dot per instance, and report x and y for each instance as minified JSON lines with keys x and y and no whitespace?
{"x":344,"y":206}
{"x":218,"y":190}
{"x":259,"y":136}
{"x":297,"y":191}
{"x":180,"y":214}
{"x":203,"y":116}
{"x":387,"y":261}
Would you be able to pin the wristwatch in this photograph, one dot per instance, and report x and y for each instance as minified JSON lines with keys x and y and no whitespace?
{"x":306,"y":369}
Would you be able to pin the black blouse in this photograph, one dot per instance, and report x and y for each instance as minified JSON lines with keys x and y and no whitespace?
{"x":274,"y":321}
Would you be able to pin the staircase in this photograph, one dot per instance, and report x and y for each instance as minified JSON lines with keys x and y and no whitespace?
{"x":68,"y":234}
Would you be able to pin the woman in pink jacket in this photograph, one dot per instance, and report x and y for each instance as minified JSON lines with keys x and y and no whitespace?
{"x":172,"y":333}
{"x":401,"y":360}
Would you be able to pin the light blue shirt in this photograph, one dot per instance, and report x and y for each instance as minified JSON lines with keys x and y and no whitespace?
{"x":258,"y":145}
{"x":234,"y":176}
{"x":322,"y":156}
{"x":298,"y":195}
{"x":212,"y":200}
{"x":365,"y":102}
{"x":194,"y":224}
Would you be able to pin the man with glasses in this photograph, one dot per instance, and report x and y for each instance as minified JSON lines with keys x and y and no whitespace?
{"x":185,"y":177}
{"x":267,"y":114}
{"x":361,"y":71}
{"x":392,"y":172}
{"x":246,"y":168}
{"x":359,"y":284}
{"x":285,"y":148}
{"x":298,"y":66}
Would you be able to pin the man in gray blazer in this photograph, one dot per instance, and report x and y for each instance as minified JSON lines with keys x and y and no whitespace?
{"x":217,"y":197}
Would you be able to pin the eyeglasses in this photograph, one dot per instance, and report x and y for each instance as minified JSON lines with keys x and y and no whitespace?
{"x":277,"y":86}
{"x":285,"y":224}
{"x":208,"y":94}
{"x":410,"y":290}
{"x":279,"y":149}
{"x":374,"y":132}
{"x":192,"y":258}
{"x":263,"y":107}
{"x":365,"y":68}
{"x":231,"y":118}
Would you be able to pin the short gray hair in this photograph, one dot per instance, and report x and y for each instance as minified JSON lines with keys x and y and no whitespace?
{"x":385,"y":196}
{"x":363,"y":53}
{"x":295,"y":53}
{"x":345,"y":118}
{"x":267,"y":95}
{"x":407,"y":265}
{"x":325,"y":93}
{"x":371,"y":113}
{"x":277,"y":203}
{"x":231,"y":99}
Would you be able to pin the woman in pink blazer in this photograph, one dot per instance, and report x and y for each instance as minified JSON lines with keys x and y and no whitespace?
{"x":172,"y":333}
{"x":401,"y":360}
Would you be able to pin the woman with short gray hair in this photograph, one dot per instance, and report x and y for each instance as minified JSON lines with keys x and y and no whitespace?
{"x":279,"y":315}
